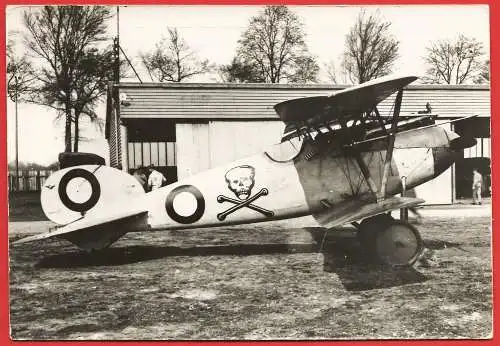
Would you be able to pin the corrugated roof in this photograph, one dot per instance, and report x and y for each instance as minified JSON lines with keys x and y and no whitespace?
{"x":256,"y":101}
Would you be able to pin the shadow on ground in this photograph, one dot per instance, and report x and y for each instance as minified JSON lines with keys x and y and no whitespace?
{"x":341,"y":252}
{"x":357,"y":271}
{"x":139,"y":253}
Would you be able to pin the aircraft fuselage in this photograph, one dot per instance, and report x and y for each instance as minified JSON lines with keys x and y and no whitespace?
{"x":257,"y":188}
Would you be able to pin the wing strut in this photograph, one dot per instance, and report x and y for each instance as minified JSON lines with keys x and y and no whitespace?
{"x":362,"y":165}
{"x":390,"y":146}
{"x":379,"y":119}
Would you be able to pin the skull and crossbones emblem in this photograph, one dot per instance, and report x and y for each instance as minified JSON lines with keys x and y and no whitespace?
{"x":240,"y":180}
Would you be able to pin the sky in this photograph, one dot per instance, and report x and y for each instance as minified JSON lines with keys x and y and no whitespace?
{"x":213,"y":32}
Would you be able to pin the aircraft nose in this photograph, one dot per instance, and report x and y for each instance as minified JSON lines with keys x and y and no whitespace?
{"x":457,"y":142}
{"x":462,"y":142}
{"x":444,"y":157}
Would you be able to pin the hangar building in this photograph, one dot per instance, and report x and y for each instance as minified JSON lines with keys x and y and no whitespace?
{"x":185,"y":128}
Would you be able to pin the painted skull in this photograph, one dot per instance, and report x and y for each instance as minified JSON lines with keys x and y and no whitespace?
{"x":240,"y":180}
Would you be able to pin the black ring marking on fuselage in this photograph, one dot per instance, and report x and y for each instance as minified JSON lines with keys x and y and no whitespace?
{"x":200,"y":204}
{"x":94,"y":183}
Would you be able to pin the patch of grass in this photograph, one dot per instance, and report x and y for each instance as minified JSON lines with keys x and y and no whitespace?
{"x":25,"y":206}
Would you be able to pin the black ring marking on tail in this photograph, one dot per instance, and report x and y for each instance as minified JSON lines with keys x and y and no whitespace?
{"x":94,"y":183}
{"x":200,"y":204}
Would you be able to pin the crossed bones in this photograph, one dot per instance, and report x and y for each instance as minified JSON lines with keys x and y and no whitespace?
{"x":245,"y":203}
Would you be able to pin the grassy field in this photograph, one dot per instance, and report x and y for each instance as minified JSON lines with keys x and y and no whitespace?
{"x":253,"y":282}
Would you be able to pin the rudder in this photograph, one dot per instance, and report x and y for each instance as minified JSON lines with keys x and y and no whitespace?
{"x":74,"y":192}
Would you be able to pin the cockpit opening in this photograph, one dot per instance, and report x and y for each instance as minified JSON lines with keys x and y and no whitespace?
{"x":286,"y":150}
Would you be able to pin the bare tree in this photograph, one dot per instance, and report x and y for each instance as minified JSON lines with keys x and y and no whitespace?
{"x":453,"y":61}
{"x":273,"y":46}
{"x":19,"y":74}
{"x":483,"y":76}
{"x":173,"y":60}
{"x":331,"y":71}
{"x":92,"y":74}
{"x":306,"y":71}
{"x":370,"y":49}
{"x":71,"y":72}
{"x":239,"y":72}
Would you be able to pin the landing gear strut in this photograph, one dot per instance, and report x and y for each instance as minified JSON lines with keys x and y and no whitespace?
{"x":390,"y":241}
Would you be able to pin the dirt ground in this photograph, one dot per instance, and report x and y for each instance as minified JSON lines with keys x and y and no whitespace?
{"x":267,"y":281}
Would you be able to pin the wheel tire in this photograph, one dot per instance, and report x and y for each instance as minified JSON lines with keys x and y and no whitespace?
{"x":398,"y":244}
{"x":369,"y":228}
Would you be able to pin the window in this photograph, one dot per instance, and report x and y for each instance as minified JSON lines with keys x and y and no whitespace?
{"x":151,"y":142}
{"x":160,"y":154}
{"x":481,"y":149}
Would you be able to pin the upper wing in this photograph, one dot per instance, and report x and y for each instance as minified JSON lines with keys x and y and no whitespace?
{"x":86,"y":223}
{"x":349,"y":103}
{"x":354,"y":210}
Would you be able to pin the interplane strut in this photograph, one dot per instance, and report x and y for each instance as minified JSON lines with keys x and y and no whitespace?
{"x":390,"y":146}
{"x":380,"y":194}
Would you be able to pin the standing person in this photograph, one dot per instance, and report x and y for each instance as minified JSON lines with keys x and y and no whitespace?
{"x":155,"y":179}
{"x":140,"y":175}
{"x":477,"y":185}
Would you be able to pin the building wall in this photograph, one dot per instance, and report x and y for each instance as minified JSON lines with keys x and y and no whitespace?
{"x":114,"y":135}
{"x":123,"y":147}
{"x":256,"y":101}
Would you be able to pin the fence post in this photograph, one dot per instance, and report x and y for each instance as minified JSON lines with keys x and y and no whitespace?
{"x":38,"y":187}
{"x":25,"y":180}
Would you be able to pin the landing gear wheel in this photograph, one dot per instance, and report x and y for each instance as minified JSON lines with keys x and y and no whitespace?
{"x":398,"y":244}
{"x":368,"y":229}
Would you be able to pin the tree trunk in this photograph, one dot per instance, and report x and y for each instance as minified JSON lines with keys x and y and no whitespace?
{"x":67,"y":130}
{"x":75,"y":147}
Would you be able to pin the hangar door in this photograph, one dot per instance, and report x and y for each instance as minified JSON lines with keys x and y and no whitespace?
{"x":232,"y":140}
{"x":478,"y":156}
{"x":193,"y":150}
{"x":201,"y":146}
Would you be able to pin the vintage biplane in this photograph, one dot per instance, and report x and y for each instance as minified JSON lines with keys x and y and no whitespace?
{"x":339,"y":160}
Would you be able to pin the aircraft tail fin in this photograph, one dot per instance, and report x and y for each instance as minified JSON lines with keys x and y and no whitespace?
{"x":93,"y":204}
{"x":85,"y":190}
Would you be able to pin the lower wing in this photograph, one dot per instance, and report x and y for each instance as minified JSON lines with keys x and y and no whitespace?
{"x":355,"y":210}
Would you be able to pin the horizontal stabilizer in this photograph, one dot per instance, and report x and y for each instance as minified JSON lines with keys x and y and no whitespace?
{"x":86,"y":223}
{"x":355,"y":210}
